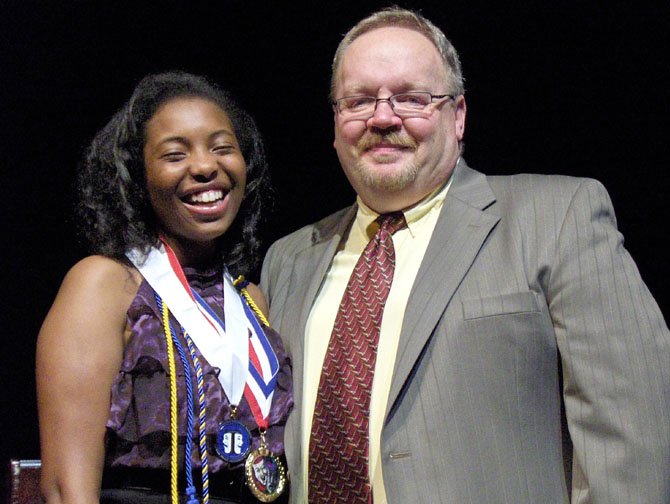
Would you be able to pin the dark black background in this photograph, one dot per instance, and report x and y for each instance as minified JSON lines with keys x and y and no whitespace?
{"x":575,"y":87}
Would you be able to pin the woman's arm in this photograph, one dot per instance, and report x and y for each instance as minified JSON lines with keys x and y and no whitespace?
{"x":79,"y":352}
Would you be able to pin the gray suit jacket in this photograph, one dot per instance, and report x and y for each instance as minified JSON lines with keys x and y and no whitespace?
{"x":525,"y":280}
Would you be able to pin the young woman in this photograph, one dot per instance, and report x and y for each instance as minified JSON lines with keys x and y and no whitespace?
{"x":158,"y":377}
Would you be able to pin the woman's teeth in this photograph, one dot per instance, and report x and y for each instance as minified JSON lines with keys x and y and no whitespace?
{"x":205,"y":197}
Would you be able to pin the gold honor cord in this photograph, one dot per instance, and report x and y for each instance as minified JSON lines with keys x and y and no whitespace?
{"x":250,"y":301}
{"x":174,"y":434}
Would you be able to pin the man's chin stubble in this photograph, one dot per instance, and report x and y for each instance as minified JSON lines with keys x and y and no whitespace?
{"x":391,"y":182}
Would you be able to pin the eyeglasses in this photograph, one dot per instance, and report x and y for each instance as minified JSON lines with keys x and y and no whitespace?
{"x":414,"y":104}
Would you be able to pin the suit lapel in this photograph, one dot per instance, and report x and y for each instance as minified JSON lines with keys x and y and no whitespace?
{"x":309,"y":270}
{"x":458,"y":236}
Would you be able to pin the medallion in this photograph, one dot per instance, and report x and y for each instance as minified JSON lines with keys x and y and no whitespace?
{"x":233,"y":441}
{"x":265,"y":474}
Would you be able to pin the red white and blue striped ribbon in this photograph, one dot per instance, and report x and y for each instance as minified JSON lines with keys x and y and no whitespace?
{"x":239,"y":347}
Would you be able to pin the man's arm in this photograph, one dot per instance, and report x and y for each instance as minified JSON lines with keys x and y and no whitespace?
{"x":615,"y":351}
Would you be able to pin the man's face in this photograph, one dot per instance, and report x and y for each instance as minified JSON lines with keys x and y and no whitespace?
{"x":393,"y":163}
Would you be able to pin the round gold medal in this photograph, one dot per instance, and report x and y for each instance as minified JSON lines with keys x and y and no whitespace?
{"x":265,"y":474}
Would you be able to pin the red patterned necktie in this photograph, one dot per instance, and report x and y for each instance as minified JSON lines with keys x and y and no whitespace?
{"x":339,"y":444}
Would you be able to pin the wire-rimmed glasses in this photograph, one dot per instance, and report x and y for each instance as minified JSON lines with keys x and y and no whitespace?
{"x":404,"y":105}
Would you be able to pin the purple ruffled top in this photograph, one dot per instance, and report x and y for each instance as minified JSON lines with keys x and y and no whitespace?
{"x":138,"y":426}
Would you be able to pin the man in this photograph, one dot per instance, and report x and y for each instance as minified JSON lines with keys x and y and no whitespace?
{"x":506,"y":293}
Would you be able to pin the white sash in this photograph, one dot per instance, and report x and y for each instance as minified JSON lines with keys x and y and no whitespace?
{"x":226,"y":348}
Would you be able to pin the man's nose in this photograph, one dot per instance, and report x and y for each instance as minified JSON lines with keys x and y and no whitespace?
{"x":384,"y":117}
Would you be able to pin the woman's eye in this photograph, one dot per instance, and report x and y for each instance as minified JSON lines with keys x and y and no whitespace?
{"x":173,"y":157}
{"x":223,"y":149}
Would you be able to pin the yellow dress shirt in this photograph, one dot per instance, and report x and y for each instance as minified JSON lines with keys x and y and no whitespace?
{"x":410,"y":246}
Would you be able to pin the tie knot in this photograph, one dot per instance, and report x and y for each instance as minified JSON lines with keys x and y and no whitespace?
{"x":391,"y":222}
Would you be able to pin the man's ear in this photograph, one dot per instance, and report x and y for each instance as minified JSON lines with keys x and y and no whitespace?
{"x":460,"y":109}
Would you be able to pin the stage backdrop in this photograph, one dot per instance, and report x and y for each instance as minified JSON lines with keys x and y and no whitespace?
{"x":574,"y":87}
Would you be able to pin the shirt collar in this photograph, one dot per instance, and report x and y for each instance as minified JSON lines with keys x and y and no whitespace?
{"x":365,"y":216}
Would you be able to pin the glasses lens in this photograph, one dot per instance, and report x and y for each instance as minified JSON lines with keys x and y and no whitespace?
{"x":410,"y":102}
{"x":356,"y":104}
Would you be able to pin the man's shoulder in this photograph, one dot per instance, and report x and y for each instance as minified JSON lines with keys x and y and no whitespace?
{"x":531,"y":198}
{"x":533,"y":187}
{"x":518,"y":187}
{"x":534,"y":182}
{"x":314,"y":232}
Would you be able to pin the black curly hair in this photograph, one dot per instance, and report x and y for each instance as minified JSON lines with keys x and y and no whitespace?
{"x":114,"y":214}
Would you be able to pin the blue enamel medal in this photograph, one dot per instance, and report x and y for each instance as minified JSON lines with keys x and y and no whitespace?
{"x":233,"y":442}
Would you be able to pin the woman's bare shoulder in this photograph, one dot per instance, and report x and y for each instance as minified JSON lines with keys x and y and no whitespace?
{"x":100,"y":272}
{"x":96,"y":288}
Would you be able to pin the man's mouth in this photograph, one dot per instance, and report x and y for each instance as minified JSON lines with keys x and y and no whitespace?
{"x":386,"y":146}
